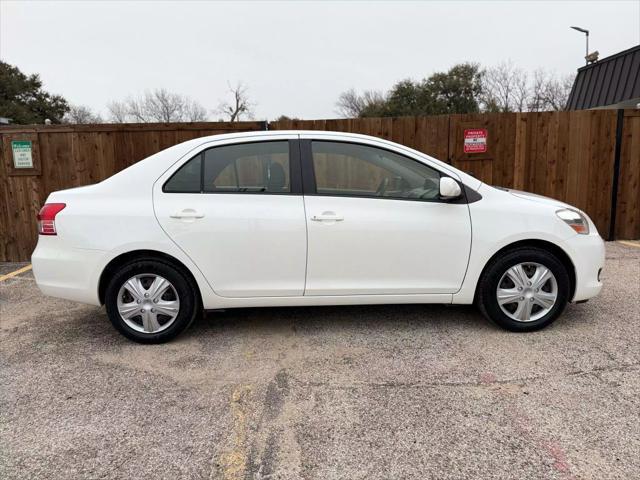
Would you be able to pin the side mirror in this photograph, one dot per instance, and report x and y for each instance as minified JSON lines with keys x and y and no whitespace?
{"x":449,"y":188}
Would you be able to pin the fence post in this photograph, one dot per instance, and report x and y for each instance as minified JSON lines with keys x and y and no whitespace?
{"x":616,"y":175}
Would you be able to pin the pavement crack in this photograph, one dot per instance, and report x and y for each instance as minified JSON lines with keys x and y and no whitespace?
{"x":482,"y":382}
{"x":262,"y":461}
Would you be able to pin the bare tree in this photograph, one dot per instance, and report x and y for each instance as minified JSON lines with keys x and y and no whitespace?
{"x":163,"y":106}
{"x":548,"y":92}
{"x":349,"y":104}
{"x":352,"y":104}
{"x":118,"y":112}
{"x":559,"y":91}
{"x":505,"y":88}
{"x":240,"y":106}
{"x":159,"y":105}
{"x":194,"y":112}
{"x":81,"y":114}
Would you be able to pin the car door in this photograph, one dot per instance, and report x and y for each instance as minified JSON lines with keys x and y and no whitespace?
{"x":237,"y":211}
{"x":376,"y":223}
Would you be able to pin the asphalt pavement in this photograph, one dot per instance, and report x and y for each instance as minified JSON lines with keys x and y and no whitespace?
{"x":375,"y":392}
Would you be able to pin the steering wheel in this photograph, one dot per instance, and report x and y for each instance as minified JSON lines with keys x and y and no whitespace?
{"x":429,"y":189}
{"x":382,"y":187}
{"x":430,"y":183}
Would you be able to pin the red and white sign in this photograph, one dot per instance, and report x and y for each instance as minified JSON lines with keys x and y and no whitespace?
{"x":475,"y":140}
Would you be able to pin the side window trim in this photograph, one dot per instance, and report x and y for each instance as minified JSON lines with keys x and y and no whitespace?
{"x":309,"y":178}
{"x":295,"y":170}
{"x":201,"y":155}
{"x":295,"y":167}
{"x":308,"y":174}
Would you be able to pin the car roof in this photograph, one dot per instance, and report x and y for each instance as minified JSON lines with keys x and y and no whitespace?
{"x":306,"y":133}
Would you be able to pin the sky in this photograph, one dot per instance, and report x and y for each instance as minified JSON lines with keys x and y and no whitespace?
{"x":294,"y":57}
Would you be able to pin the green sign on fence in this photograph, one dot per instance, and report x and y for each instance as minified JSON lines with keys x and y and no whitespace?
{"x":22,"y":157}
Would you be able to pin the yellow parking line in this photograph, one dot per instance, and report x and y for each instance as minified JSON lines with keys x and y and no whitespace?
{"x":234,"y":461}
{"x":630,"y":244}
{"x":17,"y":272}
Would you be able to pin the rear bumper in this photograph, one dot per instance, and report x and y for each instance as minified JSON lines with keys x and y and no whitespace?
{"x":587,"y":253}
{"x":70,"y":273}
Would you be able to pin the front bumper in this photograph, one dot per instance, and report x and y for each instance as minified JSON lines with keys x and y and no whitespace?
{"x":63,"y":272}
{"x":587,"y":253}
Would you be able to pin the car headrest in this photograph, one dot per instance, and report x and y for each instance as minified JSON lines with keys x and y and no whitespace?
{"x":277,"y":178}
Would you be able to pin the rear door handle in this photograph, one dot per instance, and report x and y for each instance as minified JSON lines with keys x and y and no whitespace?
{"x":327,"y":217}
{"x":187,"y":213}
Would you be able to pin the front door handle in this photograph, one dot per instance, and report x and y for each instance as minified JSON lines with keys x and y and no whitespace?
{"x":187,"y":213}
{"x":327,"y":217}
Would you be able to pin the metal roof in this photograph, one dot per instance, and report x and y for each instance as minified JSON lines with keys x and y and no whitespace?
{"x":611,"y":81}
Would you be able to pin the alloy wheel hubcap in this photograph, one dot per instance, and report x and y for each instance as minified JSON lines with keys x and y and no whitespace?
{"x":148,"y":303}
{"x":527,"y":292}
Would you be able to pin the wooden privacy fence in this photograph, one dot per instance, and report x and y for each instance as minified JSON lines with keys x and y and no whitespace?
{"x":590,"y":159}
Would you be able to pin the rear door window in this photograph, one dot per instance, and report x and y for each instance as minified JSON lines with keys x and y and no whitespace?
{"x":261,"y":167}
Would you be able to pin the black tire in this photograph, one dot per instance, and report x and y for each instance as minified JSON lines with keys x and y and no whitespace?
{"x":486,"y":297}
{"x":185,"y":290}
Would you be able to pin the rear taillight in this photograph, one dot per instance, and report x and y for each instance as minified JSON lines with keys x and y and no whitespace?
{"x":47,"y":218}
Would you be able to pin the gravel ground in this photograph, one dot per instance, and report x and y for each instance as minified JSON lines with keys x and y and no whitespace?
{"x":335,"y":392}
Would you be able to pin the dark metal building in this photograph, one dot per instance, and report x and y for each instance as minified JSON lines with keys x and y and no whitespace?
{"x":613,"y":82}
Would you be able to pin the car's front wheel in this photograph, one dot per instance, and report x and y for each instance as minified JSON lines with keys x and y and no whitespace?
{"x":150,"y":301}
{"x":524,"y":289}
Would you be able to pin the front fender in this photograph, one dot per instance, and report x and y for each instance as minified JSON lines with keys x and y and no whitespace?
{"x":500,"y":220}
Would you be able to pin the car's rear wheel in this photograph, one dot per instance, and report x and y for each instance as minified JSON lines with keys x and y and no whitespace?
{"x":150,"y":301}
{"x":524,"y":289}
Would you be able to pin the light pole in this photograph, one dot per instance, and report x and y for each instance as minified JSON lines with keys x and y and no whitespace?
{"x":586,"y":32}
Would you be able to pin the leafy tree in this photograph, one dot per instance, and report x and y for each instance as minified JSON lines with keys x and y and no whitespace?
{"x":455,"y":91}
{"x":285,"y":118}
{"x":23,"y":100}
{"x":409,"y":98}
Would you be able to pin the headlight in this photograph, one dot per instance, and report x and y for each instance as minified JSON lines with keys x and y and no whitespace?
{"x":575,"y":220}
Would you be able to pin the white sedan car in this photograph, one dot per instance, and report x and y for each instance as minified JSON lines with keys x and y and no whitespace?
{"x":309,"y":218}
